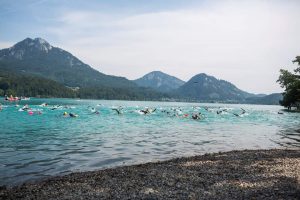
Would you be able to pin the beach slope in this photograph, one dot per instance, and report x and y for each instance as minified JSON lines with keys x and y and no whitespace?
{"x":248,"y":174}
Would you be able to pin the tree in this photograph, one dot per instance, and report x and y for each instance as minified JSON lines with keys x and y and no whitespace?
{"x":11,"y":92}
{"x":291,"y":83}
{"x":297,"y":59}
{"x":1,"y":93}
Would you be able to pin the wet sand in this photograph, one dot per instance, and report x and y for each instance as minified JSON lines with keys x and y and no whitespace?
{"x":248,"y":174}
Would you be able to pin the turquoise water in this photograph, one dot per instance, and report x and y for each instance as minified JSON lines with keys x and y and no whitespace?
{"x":42,"y":145}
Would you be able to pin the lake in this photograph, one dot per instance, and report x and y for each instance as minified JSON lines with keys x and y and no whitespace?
{"x":44,"y":142}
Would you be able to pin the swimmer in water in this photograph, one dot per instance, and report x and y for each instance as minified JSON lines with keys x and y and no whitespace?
{"x":165,"y":111}
{"x":238,"y":115}
{"x":56,"y":107}
{"x":185,"y":115}
{"x":196,"y":116}
{"x":94,"y":111}
{"x":73,"y":115}
{"x":208,"y":109}
{"x":244,"y":111}
{"x":221,"y":111}
{"x":146,"y":111}
{"x":26,"y":107}
{"x":65,"y":114}
{"x":118,"y":110}
{"x":44,"y":105}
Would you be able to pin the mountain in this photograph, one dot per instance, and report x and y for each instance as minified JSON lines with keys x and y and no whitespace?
{"x":38,"y":57}
{"x":207,"y":88}
{"x":36,"y":68}
{"x":271,"y":99}
{"x":159,"y":81}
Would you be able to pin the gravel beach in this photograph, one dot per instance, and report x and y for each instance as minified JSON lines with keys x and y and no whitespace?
{"x":248,"y":174}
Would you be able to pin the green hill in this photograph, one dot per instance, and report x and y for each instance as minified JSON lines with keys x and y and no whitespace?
{"x":21,"y":85}
{"x":272,"y":99}
{"x":29,"y":64}
{"x":38,"y":57}
{"x":159,"y":81}
{"x":207,"y":88}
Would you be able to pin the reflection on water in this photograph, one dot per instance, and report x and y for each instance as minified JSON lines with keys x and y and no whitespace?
{"x":289,"y":138}
{"x":34,"y":146}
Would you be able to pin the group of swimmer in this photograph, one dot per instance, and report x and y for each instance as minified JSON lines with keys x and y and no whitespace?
{"x":172,"y":112}
{"x":31,"y":111}
{"x":195,"y":114}
{"x":226,"y":110}
{"x":145,"y":111}
{"x":177,"y":112}
{"x":12,"y":98}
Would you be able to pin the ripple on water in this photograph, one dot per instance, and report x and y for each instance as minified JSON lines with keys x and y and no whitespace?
{"x":49,"y":144}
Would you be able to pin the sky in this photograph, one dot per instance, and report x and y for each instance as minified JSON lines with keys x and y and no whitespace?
{"x":244,"y":42}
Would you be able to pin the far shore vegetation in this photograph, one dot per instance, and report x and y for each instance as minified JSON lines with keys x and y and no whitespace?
{"x":33,"y":86}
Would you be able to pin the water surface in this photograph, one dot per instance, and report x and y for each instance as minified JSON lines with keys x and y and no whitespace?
{"x":42,"y":145}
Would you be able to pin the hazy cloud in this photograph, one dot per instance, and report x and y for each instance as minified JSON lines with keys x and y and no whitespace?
{"x":245,"y":42}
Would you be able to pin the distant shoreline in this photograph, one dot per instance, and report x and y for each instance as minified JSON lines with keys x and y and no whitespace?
{"x":154,"y":100}
{"x":246,"y":174}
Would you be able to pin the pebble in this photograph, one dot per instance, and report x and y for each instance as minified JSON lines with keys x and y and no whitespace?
{"x":247,"y":174}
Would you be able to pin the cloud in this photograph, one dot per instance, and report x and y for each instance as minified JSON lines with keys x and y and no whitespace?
{"x":245,"y":42}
